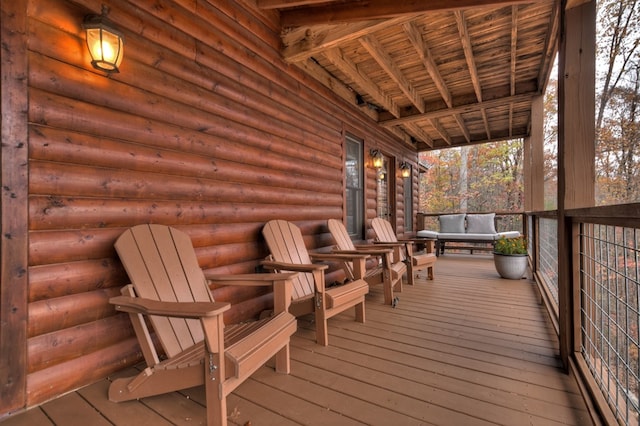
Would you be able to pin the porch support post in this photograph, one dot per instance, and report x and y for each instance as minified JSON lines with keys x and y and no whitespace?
{"x":576,"y":153}
{"x":534,"y":159}
{"x":13,"y":207}
{"x":533,"y":172}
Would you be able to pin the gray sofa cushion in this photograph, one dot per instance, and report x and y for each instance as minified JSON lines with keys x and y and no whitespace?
{"x":427,"y":234}
{"x":452,"y":223}
{"x":508,"y":234}
{"x":481,"y":223}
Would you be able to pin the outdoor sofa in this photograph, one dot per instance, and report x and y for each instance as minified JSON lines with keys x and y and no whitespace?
{"x":466,"y":228}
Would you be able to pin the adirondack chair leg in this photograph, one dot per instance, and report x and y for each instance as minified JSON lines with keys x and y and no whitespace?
{"x":322,"y":332}
{"x":430,"y":272}
{"x":388,"y":292}
{"x":410,"y":279}
{"x":283,"y":364}
{"x":216,"y":400}
{"x":360,"y":312}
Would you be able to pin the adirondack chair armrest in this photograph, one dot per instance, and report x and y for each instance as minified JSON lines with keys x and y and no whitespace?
{"x":270,"y":264}
{"x":368,"y":249}
{"x":389,"y":244}
{"x":249,"y":279}
{"x":139,"y":305}
{"x":406,"y":241}
{"x":358,"y":259}
{"x":281,"y":282}
{"x":338,"y":256}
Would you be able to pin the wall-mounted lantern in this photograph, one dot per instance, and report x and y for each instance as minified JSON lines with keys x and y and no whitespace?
{"x":377,"y":160}
{"x":405,"y":169}
{"x":105,"y":42}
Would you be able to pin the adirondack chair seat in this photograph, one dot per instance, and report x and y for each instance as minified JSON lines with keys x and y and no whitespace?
{"x":415,"y":261}
{"x":387,"y":268}
{"x":242,"y":353}
{"x":345,"y":294}
{"x":169,"y":292}
{"x":310,"y":293}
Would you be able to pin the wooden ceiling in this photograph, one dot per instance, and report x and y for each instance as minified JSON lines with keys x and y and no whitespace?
{"x":438,"y":73}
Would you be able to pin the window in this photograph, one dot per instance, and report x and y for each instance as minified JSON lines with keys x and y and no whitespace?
{"x":354,"y":177}
{"x":408,"y":202}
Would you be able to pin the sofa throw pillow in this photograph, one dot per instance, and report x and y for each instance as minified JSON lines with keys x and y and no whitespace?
{"x":452,"y":223}
{"x":481,"y":223}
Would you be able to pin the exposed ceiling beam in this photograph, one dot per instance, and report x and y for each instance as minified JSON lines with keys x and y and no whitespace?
{"x":317,"y":40}
{"x":440,"y":129}
{"x":415,"y":131}
{"x":462,"y":126}
{"x":281,"y":4}
{"x":485,"y":120}
{"x":374,"y":9}
{"x":351,"y":69}
{"x":550,"y":49}
{"x":462,"y":109}
{"x":418,"y":42}
{"x":377,"y":52}
{"x":325,"y":37}
{"x":468,"y":53}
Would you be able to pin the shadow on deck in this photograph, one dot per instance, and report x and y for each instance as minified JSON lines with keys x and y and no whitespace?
{"x":468,"y":348}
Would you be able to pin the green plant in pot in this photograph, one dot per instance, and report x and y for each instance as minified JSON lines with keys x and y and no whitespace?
{"x":510,"y":257}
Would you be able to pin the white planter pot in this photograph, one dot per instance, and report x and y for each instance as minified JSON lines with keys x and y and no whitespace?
{"x":511,"y":266}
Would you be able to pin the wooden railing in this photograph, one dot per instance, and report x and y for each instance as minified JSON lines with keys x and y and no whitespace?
{"x":597,"y":301}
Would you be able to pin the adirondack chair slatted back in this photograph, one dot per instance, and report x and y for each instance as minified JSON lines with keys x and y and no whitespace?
{"x":340,"y":234}
{"x":385,"y":234}
{"x":162,"y":265}
{"x":343,"y":241}
{"x":287,"y":245}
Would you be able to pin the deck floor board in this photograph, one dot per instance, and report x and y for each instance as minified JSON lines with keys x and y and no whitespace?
{"x":468,"y":348}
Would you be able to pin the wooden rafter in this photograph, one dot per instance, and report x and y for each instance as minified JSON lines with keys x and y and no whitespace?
{"x":419,"y":44}
{"x":440,"y":129}
{"x":438,"y":55}
{"x":317,"y":39}
{"x":350,"y":69}
{"x":377,"y":52}
{"x":462,"y":109}
{"x":415,"y":131}
{"x":347,"y":12}
{"x":485,"y":120}
{"x":546,"y":63}
{"x":468,"y":53}
{"x":462,"y":126}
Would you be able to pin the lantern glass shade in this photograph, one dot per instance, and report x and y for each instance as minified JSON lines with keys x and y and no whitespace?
{"x":105,"y":43}
{"x":377,"y":160}
{"x":405,"y":170}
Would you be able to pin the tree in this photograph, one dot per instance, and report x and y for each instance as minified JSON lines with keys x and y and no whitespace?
{"x":617,"y":136}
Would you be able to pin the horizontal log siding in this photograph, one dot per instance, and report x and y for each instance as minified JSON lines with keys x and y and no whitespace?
{"x":205,"y":129}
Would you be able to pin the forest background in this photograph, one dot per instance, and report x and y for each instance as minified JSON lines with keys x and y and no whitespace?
{"x":489,"y":177}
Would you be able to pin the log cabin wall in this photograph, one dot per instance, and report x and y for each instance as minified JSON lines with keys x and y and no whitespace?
{"x":205,"y":128}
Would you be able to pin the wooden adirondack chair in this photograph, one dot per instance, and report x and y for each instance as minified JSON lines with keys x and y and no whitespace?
{"x":289,"y":253}
{"x":385,"y":236}
{"x":169,"y":288}
{"x":387,"y":271}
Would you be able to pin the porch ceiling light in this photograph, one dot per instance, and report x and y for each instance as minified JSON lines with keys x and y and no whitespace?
{"x":105,"y":42}
{"x":377,"y":159}
{"x":405,"y":169}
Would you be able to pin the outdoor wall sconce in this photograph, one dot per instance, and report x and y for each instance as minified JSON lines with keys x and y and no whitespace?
{"x":405,"y":169}
{"x":377,"y":160}
{"x":105,"y":42}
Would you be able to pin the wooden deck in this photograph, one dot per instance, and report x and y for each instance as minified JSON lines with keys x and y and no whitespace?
{"x":468,"y":348}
